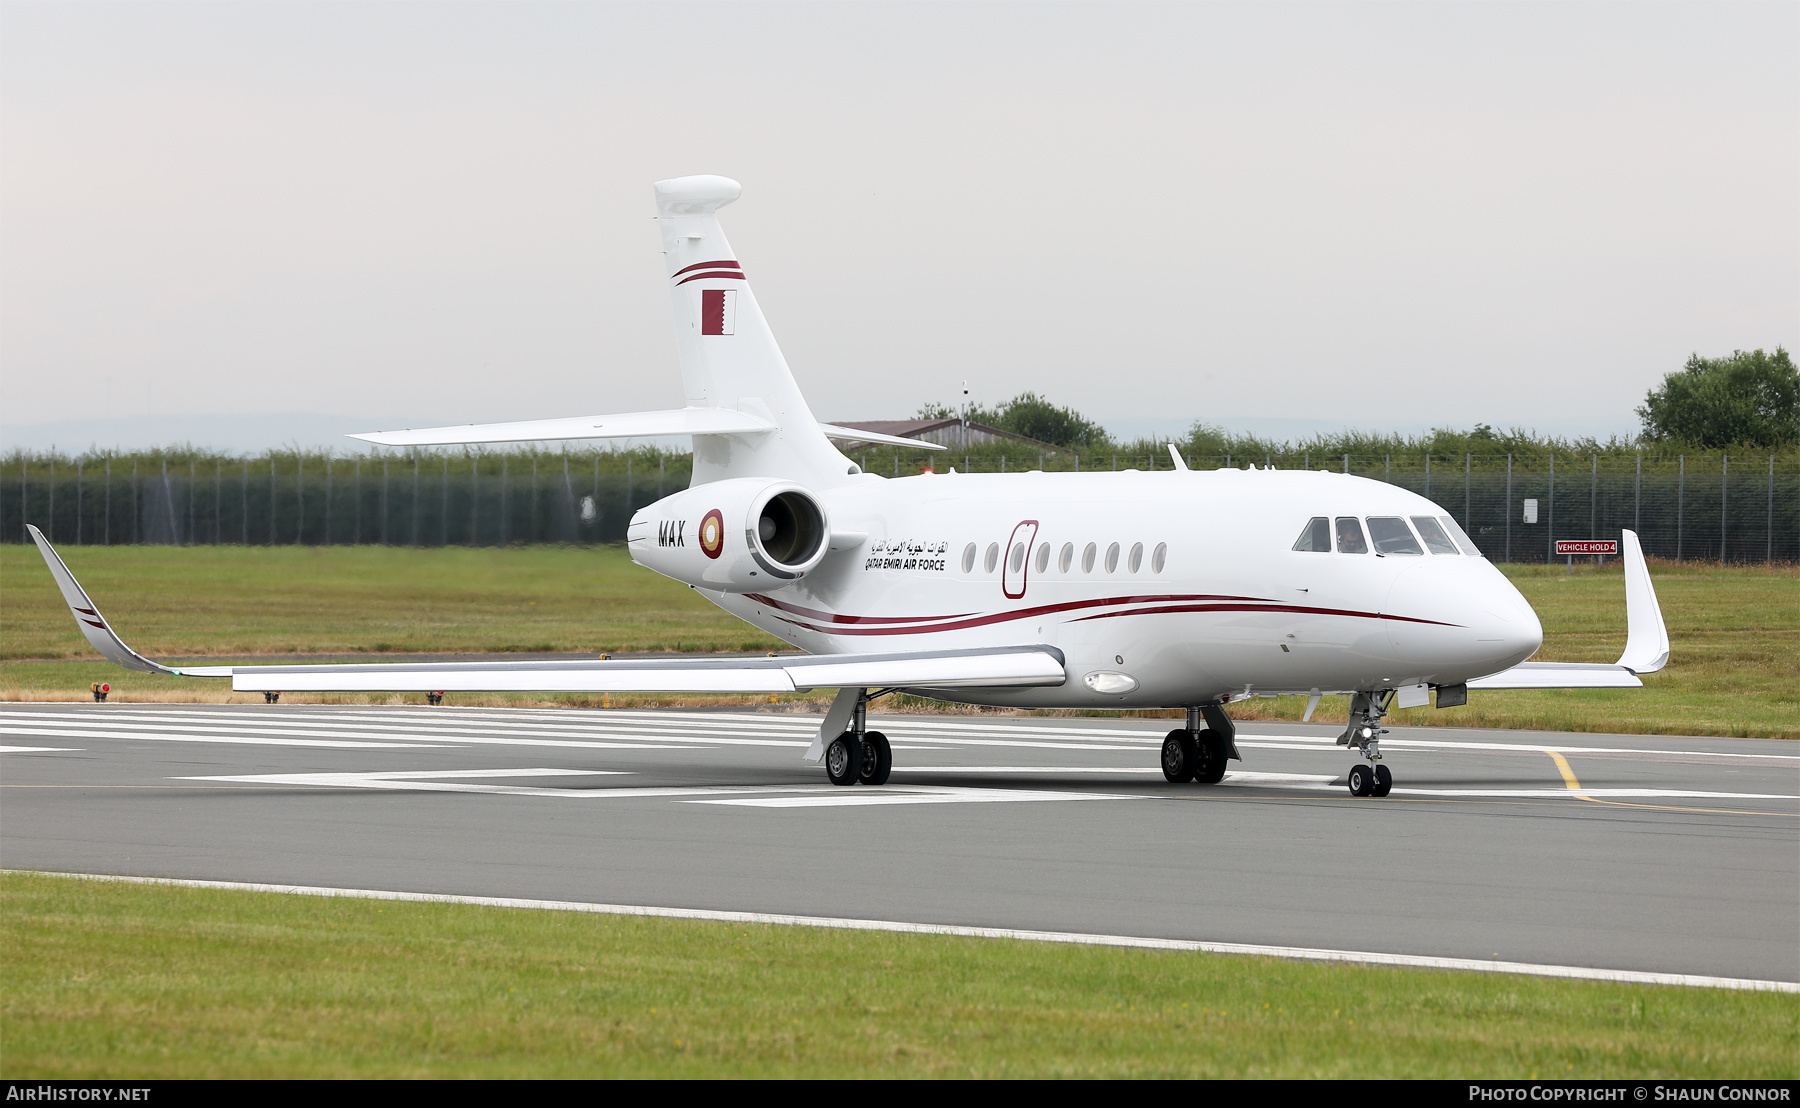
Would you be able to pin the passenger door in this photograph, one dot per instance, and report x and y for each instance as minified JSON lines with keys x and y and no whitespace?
{"x":1016,"y":559}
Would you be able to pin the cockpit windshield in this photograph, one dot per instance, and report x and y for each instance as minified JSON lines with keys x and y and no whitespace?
{"x":1350,"y":536}
{"x":1435,"y":540}
{"x":1392,"y":536}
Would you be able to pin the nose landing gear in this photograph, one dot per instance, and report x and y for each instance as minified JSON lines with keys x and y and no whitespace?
{"x":1364,"y":733}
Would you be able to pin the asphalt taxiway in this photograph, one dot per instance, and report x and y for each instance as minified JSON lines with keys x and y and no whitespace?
{"x":1629,"y":852}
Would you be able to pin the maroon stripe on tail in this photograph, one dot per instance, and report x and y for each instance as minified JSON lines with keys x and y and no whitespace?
{"x":91,"y":623}
{"x":710,"y":276}
{"x":707,"y":265}
{"x":87,"y":611}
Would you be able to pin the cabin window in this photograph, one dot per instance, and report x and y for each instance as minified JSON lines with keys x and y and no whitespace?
{"x":968,"y":557}
{"x":1017,"y":560}
{"x":1462,"y":538}
{"x":1137,"y":556}
{"x":993,"y":557}
{"x":1087,"y":558}
{"x":1316,"y":535}
{"x":1392,"y":536}
{"x":1435,"y":540}
{"x":1066,"y":558}
{"x":1350,"y":536}
{"x":1158,"y":559}
{"x":1112,"y":557}
{"x":1043,"y":558}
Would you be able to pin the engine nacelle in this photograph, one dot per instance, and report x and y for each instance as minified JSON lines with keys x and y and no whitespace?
{"x":748,"y":534}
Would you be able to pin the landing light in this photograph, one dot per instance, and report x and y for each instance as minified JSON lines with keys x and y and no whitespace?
{"x":1104,"y":682}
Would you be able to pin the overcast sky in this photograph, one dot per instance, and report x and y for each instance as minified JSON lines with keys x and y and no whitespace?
{"x":1379,"y":215}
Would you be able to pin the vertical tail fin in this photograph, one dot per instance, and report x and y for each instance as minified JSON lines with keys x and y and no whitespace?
{"x":729,"y":357}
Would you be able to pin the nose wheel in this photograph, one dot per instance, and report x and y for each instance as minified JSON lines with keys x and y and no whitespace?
{"x":1364,"y":733}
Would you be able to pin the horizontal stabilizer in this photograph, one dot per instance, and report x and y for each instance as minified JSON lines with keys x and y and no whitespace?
{"x":1560,"y":675}
{"x":988,"y":667}
{"x":851,"y":434}
{"x":626,"y":425}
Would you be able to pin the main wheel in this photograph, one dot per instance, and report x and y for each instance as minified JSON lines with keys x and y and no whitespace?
{"x":1384,"y":781}
{"x":1361,"y":780}
{"x":1210,"y":769}
{"x":843,"y":760}
{"x":1179,"y":756}
{"x":877,"y":758}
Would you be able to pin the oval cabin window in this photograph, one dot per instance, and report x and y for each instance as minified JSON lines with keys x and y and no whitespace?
{"x":1137,"y":556}
{"x":1112,"y":558}
{"x":1064,"y":559}
{"x":968,"y":557}
{"x":993,"y":557}
{"x":1159,"y":558}
{"x":1043,"y":558}
{"x":1017,"y":561}
{"x":1087,"y":558}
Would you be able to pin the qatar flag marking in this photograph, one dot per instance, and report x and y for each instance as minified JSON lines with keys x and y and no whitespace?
{"x":718,"y":311}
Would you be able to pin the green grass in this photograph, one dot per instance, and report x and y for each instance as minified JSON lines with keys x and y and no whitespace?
{"x":104,"y":980}
{"x":1735,"y":629}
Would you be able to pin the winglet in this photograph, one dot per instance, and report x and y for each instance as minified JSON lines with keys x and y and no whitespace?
{"x":1180,"y":462}
{"x":1646,"y":636}
{"x":94,"y":626}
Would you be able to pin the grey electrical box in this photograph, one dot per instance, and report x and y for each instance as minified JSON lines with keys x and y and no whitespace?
{"x":1531,"y":511}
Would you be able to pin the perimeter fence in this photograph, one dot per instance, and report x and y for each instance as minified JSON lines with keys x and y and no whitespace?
{"x":1730,"y":507}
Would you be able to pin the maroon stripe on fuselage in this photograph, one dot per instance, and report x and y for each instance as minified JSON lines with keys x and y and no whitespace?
{"x":1262,"y":608}
{"x":1165,"y":609}
{"x":710,"y":276}
{"x":829,"y":617}
{"x":1021,"y":613}
{"x":727,"y":264}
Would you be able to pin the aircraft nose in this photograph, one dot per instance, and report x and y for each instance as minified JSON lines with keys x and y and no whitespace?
{"x":1475,"y":621}
{"x":1507,"y":627}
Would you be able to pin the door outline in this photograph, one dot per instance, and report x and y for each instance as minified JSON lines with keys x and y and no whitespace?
{"x":1006,"y":570}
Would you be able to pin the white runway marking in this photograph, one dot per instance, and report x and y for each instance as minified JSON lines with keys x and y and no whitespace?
{"x":36,"y":749}
{"x":861,"y":797}
{"x":234,"y":740}
{"x":1313,"y":954}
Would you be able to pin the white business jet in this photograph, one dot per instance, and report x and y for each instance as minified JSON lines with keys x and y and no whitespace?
{"x":1163,"y":589}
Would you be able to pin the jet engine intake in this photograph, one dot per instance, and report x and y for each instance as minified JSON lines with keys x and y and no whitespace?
{"x":747,"y":534}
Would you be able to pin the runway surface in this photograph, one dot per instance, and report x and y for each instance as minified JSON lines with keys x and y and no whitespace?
{"x":1628,"y":852}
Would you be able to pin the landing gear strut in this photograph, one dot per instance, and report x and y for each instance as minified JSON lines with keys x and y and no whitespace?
{"x":1364,"y":733}
{"x":859,"y":755}
{"x":1198,"y":752}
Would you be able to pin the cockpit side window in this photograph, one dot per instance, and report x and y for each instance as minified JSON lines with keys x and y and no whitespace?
{"x":1316,"y":535}
{"x":1350,"y":536}
{"x":1462,"y":537}
{"x":1435,"y":540}
{"x":1392,"y":536}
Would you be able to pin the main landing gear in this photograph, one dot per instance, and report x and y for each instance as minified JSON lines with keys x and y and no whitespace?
{"x":1364,"y":733}
{"x":859,"y":756}
{"x":1198,"y":752}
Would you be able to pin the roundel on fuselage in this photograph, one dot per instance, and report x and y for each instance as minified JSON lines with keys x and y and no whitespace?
{"x":712,"y":533}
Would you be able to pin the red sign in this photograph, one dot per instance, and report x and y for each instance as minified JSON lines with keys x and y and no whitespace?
{"x":1587,"y":546}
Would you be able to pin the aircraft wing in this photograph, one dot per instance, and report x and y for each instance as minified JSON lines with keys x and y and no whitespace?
{"x":1646,"y":642}
{"x":1560,"y":675}
{"x":982,"y":667}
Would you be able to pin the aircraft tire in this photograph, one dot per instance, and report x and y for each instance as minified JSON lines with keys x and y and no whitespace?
{"x":1179,"y":756}
{"x":1361,"y":780}
{"x":1210,"y":768}
{"x":843,"y":760}
{"x":1384,"y":781}
{"x":877,"y":759}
